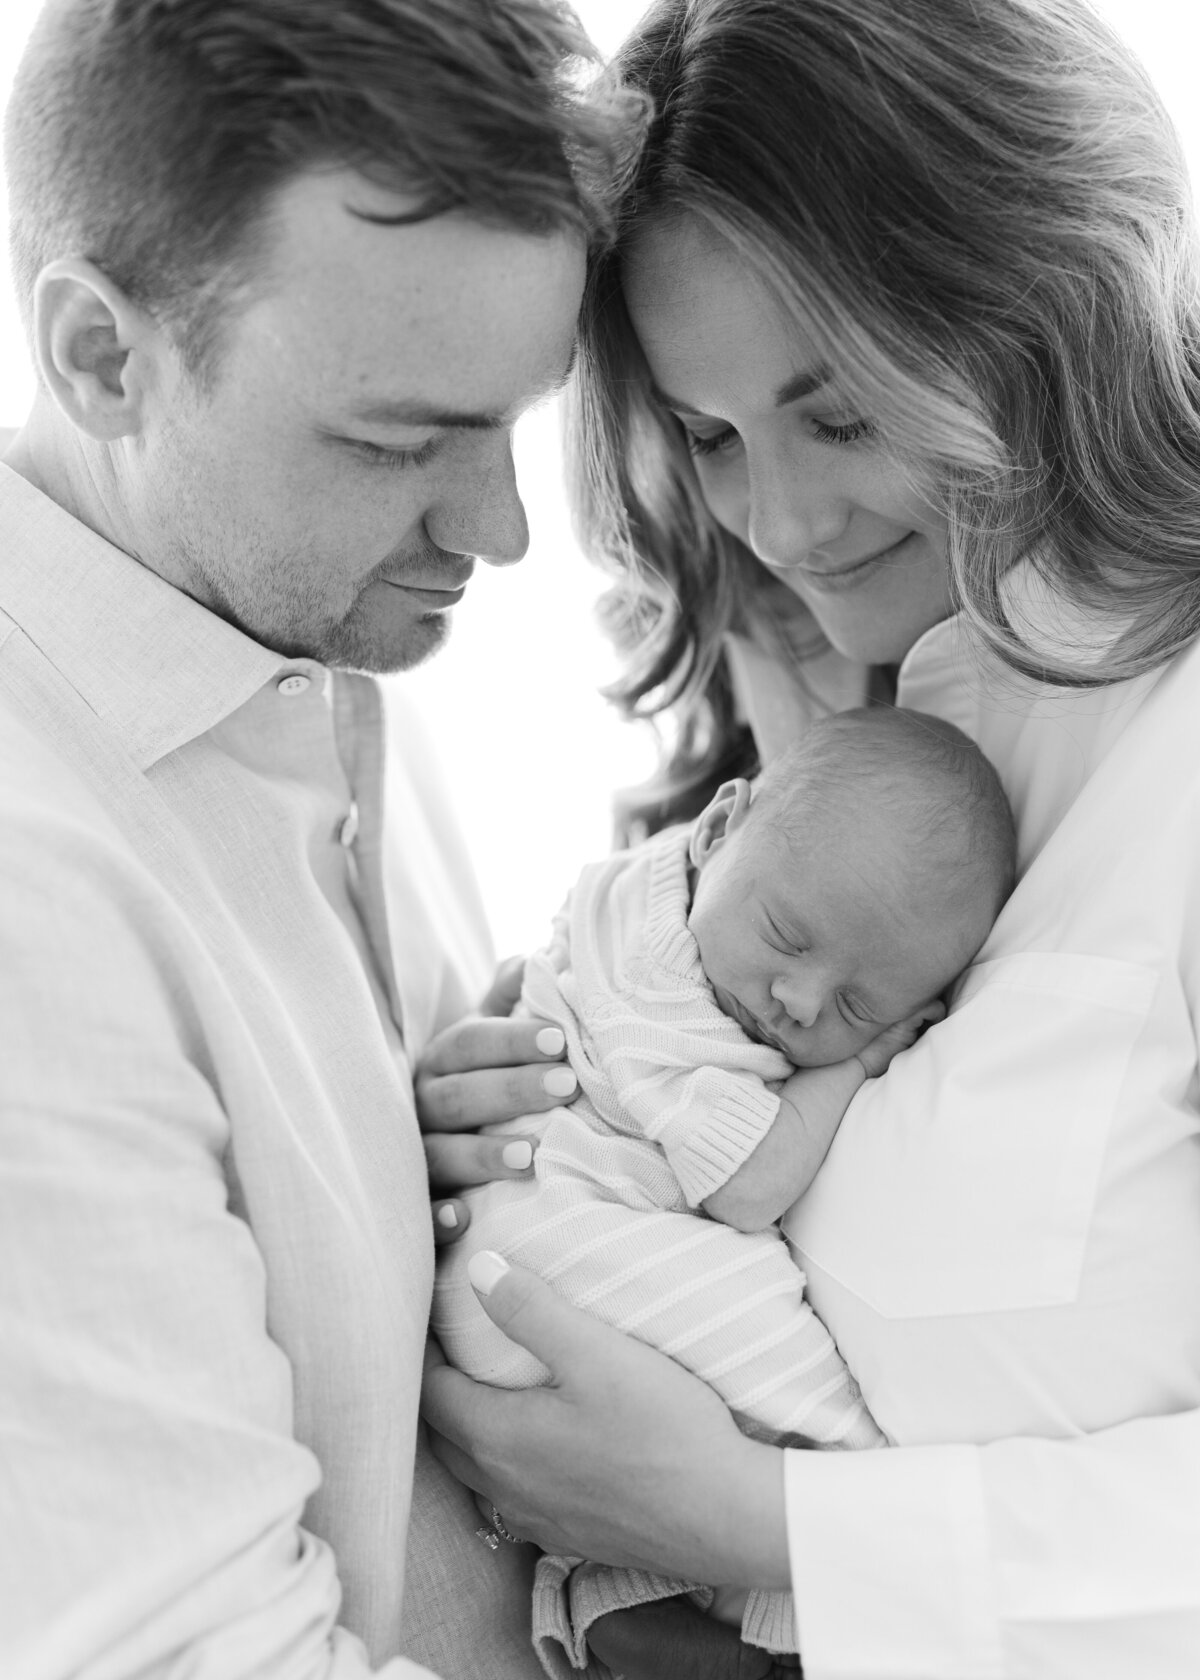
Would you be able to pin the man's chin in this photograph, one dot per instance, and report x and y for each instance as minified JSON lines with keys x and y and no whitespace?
{"x":355,"y":647}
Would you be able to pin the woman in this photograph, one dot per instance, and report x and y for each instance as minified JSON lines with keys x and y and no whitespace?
{"x":899,"y":345}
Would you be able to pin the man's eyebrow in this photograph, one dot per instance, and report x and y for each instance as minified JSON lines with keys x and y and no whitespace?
{"x":792,"y":390}
{"x":416,"y":411}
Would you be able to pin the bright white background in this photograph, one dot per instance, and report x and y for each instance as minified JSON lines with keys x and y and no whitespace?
{"x":531,"y":751}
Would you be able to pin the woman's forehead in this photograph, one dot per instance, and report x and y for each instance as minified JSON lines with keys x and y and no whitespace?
{"x":708,"y":325}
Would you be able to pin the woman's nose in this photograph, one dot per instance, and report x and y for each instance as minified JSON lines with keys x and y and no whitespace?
{"x":795,"y":510}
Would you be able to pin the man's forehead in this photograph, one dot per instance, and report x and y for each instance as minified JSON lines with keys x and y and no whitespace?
{"x":449,"y":312}
{"x":334,"y":229}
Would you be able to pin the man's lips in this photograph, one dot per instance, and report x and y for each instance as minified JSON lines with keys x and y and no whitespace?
{"x":436,"y":595}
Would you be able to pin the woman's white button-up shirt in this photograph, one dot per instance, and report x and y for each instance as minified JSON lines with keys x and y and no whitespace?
{"x":1005,"y":1238}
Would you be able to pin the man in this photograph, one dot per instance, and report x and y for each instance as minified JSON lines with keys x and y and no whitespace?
{"x":291,"y":269}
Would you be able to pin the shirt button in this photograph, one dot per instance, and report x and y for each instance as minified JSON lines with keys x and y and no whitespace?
{"x":295,"y":684}
{"x":348,"y":830}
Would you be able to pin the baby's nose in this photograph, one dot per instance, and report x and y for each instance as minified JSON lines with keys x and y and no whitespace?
{"x":802,"y":999}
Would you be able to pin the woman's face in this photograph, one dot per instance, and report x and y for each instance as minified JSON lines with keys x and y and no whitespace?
{"x":783,"y":464}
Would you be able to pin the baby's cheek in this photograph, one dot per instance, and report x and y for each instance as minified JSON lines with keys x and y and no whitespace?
{"x":838,"y":1041}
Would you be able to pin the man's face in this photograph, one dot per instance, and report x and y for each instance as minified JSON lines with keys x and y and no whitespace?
{"x":330,"y":484}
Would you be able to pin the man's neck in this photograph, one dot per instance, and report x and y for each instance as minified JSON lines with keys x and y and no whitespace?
{"x":71,"y":470}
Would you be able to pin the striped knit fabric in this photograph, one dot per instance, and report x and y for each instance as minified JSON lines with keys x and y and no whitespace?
{"x":674,"y":1097}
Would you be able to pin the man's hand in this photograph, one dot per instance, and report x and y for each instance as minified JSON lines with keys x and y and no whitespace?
{"x":672,"y":1640}
{"x":876,"y":1056}
{"x":625,"y":1457}
{"x":486,"y":1068}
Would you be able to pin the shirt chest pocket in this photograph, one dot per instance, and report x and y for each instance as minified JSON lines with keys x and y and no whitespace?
{"x":966,"y":1179}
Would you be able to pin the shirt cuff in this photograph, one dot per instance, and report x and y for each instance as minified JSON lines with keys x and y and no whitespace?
{"x":891,"y":1567}
{"x":705,"y":1156}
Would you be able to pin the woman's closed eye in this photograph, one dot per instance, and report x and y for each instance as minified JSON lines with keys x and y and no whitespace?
{"x":709,"y":445}
{"x":825,"y":431}
{"x":849,"y":431}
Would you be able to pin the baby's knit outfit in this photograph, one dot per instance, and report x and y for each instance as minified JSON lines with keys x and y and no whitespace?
{"x":674,"y":1096}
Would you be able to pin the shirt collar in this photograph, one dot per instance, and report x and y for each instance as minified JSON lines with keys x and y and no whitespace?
{"x":1050,"y":624}
{"x":154,"y":664}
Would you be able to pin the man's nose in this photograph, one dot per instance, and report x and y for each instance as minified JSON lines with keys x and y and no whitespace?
{"x":795,"y":510}
{"x":481,"y":513}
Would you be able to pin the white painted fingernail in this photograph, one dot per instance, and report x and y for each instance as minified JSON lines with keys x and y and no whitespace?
{"x":485,"y":1270}
{"x":558,"y":1082}
{"x":447,"y":1218}
{"x":551,"y":1041}
{"x":517,"y":1155}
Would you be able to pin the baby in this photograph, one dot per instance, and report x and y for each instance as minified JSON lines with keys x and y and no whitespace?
{"x":725,"y":989}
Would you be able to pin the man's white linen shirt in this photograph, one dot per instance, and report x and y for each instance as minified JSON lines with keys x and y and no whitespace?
{"x":1005,"y":1237}
{"x":214,"y":1220}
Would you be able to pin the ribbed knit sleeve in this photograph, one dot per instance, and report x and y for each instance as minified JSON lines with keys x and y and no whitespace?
{"x":709,"y":1127}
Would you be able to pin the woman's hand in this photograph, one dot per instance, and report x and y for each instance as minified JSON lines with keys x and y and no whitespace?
{"x":483,"y":1069}
{"x":624,"y":1457}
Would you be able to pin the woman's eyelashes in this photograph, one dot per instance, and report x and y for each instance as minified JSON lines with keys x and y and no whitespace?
{"x":825,"y":431}
{"x":850,"y":432}
{"x":709,"y":445}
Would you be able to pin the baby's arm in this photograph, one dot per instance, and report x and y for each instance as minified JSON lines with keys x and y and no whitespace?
{"x":811,"y":1104}
{"x":784,"y":1162}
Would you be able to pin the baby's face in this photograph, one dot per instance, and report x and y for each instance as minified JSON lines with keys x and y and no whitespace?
{"x":817,"y":942}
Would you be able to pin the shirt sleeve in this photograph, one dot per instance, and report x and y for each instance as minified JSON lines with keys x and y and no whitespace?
{"x":152,"y":1487}
{"x":1022,"y":1560}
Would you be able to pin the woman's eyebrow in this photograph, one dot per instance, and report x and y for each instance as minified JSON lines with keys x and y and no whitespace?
{"x":662,"y":400}
{"x":802,"y":385}
{"x":799,"y":385}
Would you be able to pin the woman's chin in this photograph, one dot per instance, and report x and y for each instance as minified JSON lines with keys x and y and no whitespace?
{"x":875,"y":632}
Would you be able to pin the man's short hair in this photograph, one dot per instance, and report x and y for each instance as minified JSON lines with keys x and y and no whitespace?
{"x":149,"y":135}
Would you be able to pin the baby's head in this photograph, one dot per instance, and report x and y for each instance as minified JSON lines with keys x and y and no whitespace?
{"x":853,"y":883}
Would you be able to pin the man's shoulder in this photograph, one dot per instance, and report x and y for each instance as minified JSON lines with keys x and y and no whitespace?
{"x":40,"y":792}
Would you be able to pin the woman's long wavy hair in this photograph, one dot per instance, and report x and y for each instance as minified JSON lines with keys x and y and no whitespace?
{"x":979,"y":212}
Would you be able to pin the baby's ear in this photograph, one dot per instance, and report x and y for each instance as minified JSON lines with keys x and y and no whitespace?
{"x":724,"y":812}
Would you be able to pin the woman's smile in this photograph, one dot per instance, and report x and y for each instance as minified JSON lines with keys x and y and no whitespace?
{"x":849,"y":574}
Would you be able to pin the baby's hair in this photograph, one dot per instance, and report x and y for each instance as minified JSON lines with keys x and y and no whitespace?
{"x":919,"y":772}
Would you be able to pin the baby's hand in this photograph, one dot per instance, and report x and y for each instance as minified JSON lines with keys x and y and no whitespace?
{"x":876,"y":1056}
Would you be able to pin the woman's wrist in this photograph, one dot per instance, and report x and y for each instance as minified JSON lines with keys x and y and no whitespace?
{"x":750,"y":1503}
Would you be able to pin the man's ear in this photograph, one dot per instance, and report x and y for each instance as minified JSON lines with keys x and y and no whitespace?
{"x":724,"y":812}
{"x":94,"y":348}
